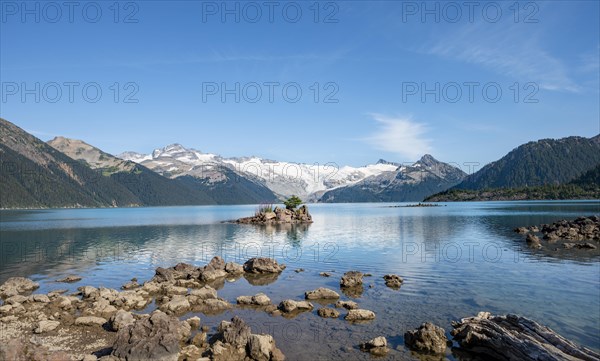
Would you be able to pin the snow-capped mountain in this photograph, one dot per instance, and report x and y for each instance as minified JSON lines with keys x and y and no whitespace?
{"x":308,"y":181}
{"x":406,"y":183}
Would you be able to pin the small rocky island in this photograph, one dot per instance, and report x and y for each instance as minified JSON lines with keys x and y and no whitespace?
{"x":582,"y":233}
{"x":266,"y":214}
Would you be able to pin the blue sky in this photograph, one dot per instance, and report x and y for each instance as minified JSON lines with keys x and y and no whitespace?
{"x":369,"y":73}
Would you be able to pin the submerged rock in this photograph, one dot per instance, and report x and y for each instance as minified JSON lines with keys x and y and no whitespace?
{"x":428,"y":338}
{"x":70,"y":279}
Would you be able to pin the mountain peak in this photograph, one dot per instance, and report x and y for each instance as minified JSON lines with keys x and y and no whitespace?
{"x":383,"y":161}
{"x":427,"y":160}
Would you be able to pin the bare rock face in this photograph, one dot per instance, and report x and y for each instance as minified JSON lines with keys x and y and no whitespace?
{"x":513,"y":337}
{"x":428,"y":338}
{"x":263,"y":265}
{"x":16,"y":286}
{"x":157,"y":337}
{"x":352,"y":279}
{"x":321,"y":293}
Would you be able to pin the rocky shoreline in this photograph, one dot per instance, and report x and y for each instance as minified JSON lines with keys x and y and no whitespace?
{"x":582,"y":233}
{"x":106,"y":324}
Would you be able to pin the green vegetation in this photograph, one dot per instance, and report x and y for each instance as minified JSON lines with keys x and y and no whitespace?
{"x":264,"y":208}
{"x":586,"y":186}
{"x":541,"y":163}
{"x":292,"y":202}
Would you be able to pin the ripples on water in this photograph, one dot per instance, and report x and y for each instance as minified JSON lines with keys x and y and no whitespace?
{"x":457,"y":260}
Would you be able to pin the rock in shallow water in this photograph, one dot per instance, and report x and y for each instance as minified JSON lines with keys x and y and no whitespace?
{"x":352,"y":279}
{"x":157,"y":337}
{"x":360,"y":315}
{"x":513,"y":337}
{"x":321,"y":293}
{"x":428,"y":338}
{"x":263,"y":265}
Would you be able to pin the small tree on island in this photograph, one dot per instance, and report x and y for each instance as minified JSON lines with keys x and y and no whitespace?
{"x":292,"y":202}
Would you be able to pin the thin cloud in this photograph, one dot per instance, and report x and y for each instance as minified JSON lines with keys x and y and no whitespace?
{"x":400,"y":136}
{"x":508,"y":52}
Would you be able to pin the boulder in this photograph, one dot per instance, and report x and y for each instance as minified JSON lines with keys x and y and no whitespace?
{"x":157,"y":337}
{"x":178,"y":304}
{"x":263,"y":265}
{"x":40,"y":298}
{"x":393,"y":281}
{"x":359,"y":315}
{"x":205,"y":293}
{"x":288,"y":306}
{"x":46,"y":326}
{"x":533,"y":241}
{"x":327,"y":312}
{"x":16,"y":286}
{"x":321,"y":293}
{"x":376,"y":346}
{"x":121,"y":319}
{"x":428,"y":338}
{"x":513,"y":337}
{"x":352,"y":279}
{"x":260,"y":299}
{"x":349,"y":305}
{"x":234,"y":268}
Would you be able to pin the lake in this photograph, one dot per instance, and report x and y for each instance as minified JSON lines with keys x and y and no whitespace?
{"x":456,"y":260}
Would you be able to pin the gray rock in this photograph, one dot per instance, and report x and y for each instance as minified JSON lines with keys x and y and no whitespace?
{"x":327,"y":312}
{"x":16,"y":286}
{"x":360,"y":315}
{"x":121,"y":319}
{"x":263,"y":265}
{"x":260,"y":299}
{"x":393,"y":281}
{"x":70,"y":279}
{"x":288,"y":306}
{"x":46,"y":326}
{"x":321,"y":293}
{"x":349,"y":305}
{"x":427,"y":338}
{"x":157,"y":337}
{"x":376,"y":346}
{"x":352,"y":279}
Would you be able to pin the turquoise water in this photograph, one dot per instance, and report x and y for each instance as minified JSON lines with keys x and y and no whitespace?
{"x":456,"y":260}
